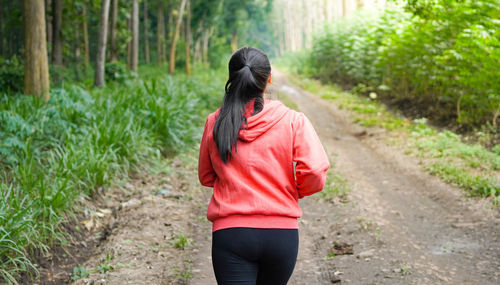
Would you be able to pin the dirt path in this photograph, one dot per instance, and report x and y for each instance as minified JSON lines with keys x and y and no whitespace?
{"x":406,"y":227}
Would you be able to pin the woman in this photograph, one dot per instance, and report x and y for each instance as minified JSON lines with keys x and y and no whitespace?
{"x":247,"y":155}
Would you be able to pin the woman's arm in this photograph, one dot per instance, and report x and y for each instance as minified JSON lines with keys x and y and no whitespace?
{"x":312,"y":161}
{"x":206,"y":173}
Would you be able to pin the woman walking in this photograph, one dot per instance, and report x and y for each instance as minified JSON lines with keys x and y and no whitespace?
{"x":260,"y":158}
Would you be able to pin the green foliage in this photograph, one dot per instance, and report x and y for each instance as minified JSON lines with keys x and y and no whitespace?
{"x":117,"y":71}
{"x":182,"y":242}
{"x":106,"y":265}
{"x":336,"y":186}
{"x":79,"y":272}
{"x":81,"y":141}
{"x":11,"y":75}
{"x":441,"y":60}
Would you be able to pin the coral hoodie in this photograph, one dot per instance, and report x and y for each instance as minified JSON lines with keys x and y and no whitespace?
{"x":259,"y":187}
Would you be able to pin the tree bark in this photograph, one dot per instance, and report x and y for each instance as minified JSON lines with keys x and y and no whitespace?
{"x":1,"y":32}
{"x":57,"y":44}
{"x":77,"y":54}
{"x":171,"y":67}
{"x":129,"y":43}
{"x":206,"y":36}
{"x":344,"y":8}
{"x":36,"y":67}
{"x":188,"y":38}
{"x":134,"y":52}
{"x":48,"y":21}
{"x":85,"y":36}
{"x":197,"y":57}
{"x":112,"y":31}
{"x":234,"y":41}
{"x":160,"y":36}
{"x":101,"y":45}
{"x":146,"y":33}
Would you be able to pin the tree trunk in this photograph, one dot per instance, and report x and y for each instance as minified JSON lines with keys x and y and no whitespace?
{"x":48,"y":21}
{"x":171,"y":68}
{"x":112,"y":31}
{"x":234,"y":41}
{"x":101,"y":45}
{"x":1,"y":32}
{"x":344,"y":8}
{"x":57,"y":45}
{"x":85,"y":36}
{"x":146,"y":33}
{"x":206,"y":37}
{"x":36,"y":66}
{"x":197,"y":57}
{"x":204,"y":53}
{"x":134,"y":52}
{"x":77,"y":54}
{"x":160,"y":36}
{"x":129,"y":43}
{"x":188,"y":38}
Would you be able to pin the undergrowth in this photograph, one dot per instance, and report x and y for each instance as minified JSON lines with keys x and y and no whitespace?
{"x":80,"y":142}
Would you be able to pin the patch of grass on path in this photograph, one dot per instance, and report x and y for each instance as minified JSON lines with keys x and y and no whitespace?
{"x":336,"y":186}
{"x":471,"y":167}
{"x":287,"y":101}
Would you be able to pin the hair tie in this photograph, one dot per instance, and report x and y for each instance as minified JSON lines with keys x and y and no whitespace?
{"x":247,"y":65}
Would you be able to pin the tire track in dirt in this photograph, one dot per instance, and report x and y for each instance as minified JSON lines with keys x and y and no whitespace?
{"x":410,"y":227}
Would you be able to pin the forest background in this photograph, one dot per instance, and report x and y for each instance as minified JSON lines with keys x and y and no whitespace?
{"x":117,"y":83}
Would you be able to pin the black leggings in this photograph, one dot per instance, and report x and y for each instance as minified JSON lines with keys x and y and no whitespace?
{"x":254,"y":256}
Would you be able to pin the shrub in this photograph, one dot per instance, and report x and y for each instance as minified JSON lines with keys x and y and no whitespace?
{"x":11,"y":75}
{"x":442,"y":59}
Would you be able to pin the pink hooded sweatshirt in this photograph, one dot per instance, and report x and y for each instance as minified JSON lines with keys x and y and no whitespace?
{"x":259,"y":187}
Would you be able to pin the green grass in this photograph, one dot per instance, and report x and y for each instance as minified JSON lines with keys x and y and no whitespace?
{"x":469,"y":166}
{"x":82,"y":141}
{"x":336,"y":185}
{"x":181,"y":242}
{"x":287,"y":101}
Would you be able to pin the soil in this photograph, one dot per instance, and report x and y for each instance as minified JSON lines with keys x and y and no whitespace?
{"x":398,"y":225}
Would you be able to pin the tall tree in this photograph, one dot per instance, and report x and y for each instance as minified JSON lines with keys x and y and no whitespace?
{"x":134,"y":47}
{"x":36,"y":66}
{"x":189,"y":38}
{"x":101,"y":45}
{"x":1,"y":31}
{"x":48,"y":21}
{"x":146,"y":33}
{"x":57,"y":44}
{"x":171,"y":67}
{"x":85,"y":36}
{"x":112,"y":31}
{"x":160,"y":35}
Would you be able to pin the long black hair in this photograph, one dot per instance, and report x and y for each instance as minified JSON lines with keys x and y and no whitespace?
{"x":249,"y":70}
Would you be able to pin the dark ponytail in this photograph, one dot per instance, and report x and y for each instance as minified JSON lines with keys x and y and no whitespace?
{"x":249,"y":70}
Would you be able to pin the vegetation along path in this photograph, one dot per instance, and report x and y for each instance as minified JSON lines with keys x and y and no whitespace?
{"x":396,"y":225}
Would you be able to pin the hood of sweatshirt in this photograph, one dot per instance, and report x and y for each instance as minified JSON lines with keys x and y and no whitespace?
{"x":260,"y":123}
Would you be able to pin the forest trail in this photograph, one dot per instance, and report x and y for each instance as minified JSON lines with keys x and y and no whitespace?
{"x":405,"y":226}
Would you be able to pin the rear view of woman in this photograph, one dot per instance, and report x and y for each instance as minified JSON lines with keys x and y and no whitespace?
{"x":247,"y":155}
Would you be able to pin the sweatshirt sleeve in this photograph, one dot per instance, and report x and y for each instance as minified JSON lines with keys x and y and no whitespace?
{"x":206,"y":173}
{"x":310,"y":157}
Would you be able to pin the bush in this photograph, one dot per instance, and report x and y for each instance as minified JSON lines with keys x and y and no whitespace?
{"x":117,"y":71}
{"x":79,"y":142}
{"x":441,"y":59}
{"x":11,"y":75}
